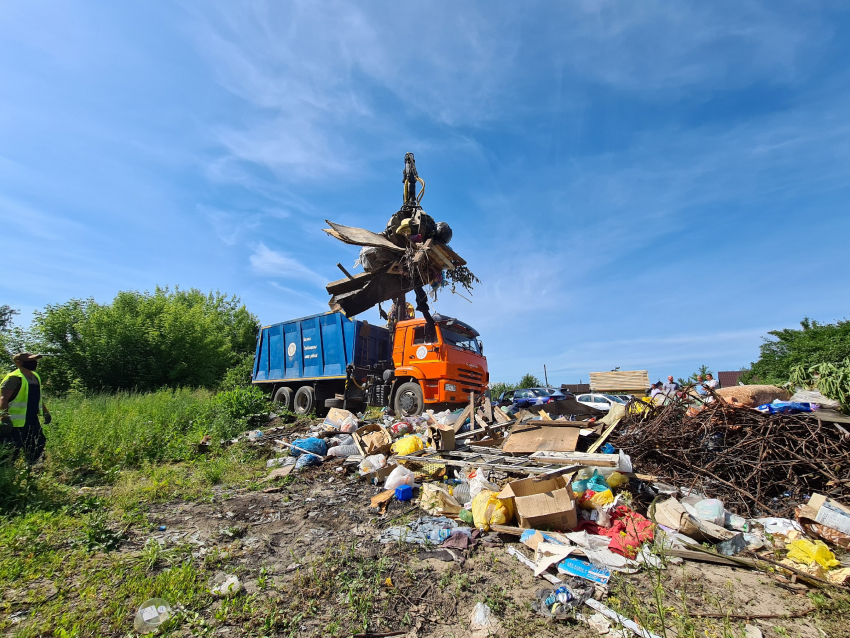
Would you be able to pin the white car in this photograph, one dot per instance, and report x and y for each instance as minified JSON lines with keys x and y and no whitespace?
{"x":599,"y":401}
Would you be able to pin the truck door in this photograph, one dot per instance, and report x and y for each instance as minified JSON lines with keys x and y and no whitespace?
{"x":399,"y":345}
{"x":420,"y":351}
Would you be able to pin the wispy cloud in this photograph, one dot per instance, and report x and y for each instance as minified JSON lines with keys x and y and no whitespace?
{"x":266,"y":261}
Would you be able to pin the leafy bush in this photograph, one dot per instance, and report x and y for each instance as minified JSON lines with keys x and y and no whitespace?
{"x":143,"y":341}
{"x":816,"y":343}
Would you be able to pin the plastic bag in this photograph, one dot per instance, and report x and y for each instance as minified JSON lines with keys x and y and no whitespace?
{"x":436,"y":500}
{"x":311,"y":445}
{"x":372,"y":463}
{"x":597,"y":483}
{"x":478,"y":482}
{"x":401,"y":428}
{"x":807,"y":552}
{"x":343,"y":451}
{"x":407,"y":445}
{"x":601,"y":499}
{"x":399,"y":476}
{"x":488,"y":509}
{"x":617,"y":480}
{"x":349,"y":424}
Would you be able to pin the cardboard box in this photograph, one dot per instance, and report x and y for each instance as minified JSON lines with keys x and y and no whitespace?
{"x":441,"y":437}
{"x":549,"y":503}
{"x":378,"y":476}
{"x":372,"y":439}
{"x":830,"y":513}
{"x":336,"y":416}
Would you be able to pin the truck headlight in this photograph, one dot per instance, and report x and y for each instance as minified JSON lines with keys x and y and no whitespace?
{"x":451,"y":387}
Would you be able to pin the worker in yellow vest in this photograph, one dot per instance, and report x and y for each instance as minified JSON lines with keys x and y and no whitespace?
{"x":21,"y":403}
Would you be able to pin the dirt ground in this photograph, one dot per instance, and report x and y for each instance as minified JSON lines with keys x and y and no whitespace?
{"x":317,"y":524}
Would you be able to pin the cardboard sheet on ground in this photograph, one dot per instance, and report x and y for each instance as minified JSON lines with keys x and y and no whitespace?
{"x":532,"y":438}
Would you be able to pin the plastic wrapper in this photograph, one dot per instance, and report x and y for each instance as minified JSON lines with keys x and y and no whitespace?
{"x":488,"y":509}
{"x":436,"y":500}
{"x":349,"y":424}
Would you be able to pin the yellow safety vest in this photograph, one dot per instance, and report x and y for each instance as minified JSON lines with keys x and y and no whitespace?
{"x":18,"y":407}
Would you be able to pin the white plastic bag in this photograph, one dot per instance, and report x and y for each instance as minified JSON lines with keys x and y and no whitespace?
{"x":399,"y":476}
{"x":478,"y":481}
{"x":372,"y":463}
{"x":349,"y":424}
{"x":343,"y":451}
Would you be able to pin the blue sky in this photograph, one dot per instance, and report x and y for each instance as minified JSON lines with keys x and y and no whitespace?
{"x":637,"y":184}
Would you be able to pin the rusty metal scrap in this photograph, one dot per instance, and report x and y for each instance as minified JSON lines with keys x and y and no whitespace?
{"x":758,"y":464}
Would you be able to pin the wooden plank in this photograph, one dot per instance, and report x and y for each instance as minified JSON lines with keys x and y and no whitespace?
{"x":584,"y":458}
{"x":360,"y":237}
{"x":452,"y":255}
{"x":440,"y":258}
{"x":536,"y":438}
{"x":572,"y":469}
{"x":601,"y":440}
{"x":637,"y":380}
{"x":501,"y":417}
{"x":356,"y":282}
{"x":458,"y":424}
{"x":488,"y":409}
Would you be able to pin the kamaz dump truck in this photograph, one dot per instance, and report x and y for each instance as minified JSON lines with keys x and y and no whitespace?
{"x":327,"y":360}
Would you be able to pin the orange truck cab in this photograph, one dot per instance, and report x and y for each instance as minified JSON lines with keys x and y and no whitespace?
{"x":436,"y":370}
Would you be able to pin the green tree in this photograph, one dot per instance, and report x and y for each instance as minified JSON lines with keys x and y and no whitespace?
{"x":6,"y":314}
{"x":529,"y":381}
{"x":144,"y":340}
{"x":815,"y":343}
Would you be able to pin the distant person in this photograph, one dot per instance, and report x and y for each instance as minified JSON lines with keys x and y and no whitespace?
{"x":711,"y":382}
{"x":699,"y":386}
{"x":21,"y":405}
{"x":657,"y":389}
{"x":671,"y":387}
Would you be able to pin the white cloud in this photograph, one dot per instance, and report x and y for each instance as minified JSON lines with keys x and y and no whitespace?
{"x":266,"y":261}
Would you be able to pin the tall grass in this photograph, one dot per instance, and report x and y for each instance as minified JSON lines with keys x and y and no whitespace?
{"x":101,"y":434}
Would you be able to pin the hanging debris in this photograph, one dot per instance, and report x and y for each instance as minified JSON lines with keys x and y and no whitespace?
{"x":412,"y":253}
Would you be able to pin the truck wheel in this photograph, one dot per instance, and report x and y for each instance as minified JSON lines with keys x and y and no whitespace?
{"x":284,"y":397}
{"x":304,"y":400}
{"x":408,"y":400}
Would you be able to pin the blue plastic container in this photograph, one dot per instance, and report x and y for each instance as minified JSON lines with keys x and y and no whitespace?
{"x":403,"y":493}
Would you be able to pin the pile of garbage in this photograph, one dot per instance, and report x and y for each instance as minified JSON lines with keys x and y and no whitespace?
{"x":763,"y":461}
{"x":578,"y":498}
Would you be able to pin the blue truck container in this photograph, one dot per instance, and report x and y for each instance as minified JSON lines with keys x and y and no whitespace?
{"x":313,"y":353}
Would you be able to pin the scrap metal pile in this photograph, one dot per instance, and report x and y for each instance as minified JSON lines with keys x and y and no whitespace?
{"x":760,"y":464}
{"x":410,"y":254}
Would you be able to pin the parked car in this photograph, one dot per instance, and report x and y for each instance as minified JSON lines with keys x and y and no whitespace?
{"x":525,"y":397}
{"x":600,"y":401}
{"x":556,"y":393}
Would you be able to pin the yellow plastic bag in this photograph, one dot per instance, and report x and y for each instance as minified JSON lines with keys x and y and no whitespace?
{"x":488,"y":509}
{"x":602,"y":498}
{"x":408,"y":445}
{"x":807,"y":552}
{"x":616,"y":480}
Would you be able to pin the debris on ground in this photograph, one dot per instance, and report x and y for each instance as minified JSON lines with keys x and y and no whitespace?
{"x":583,"y":500}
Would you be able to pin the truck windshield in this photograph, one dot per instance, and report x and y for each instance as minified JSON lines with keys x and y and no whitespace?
{"x":459,"y":340}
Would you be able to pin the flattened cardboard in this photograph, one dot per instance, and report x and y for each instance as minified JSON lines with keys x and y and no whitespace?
{"x":547,"y":503}
{"x":535,"y":437}
{"x":337,"y":415}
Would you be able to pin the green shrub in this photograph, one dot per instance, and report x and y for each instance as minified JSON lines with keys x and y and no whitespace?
{"x":143,"y":341}
{"x":93,"y":437}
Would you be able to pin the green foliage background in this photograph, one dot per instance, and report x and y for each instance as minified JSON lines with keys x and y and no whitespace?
{"x":813,"y":344}
{"x":141,"y":341}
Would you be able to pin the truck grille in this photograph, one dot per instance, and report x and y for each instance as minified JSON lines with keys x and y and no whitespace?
{"x":470,"y":375}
